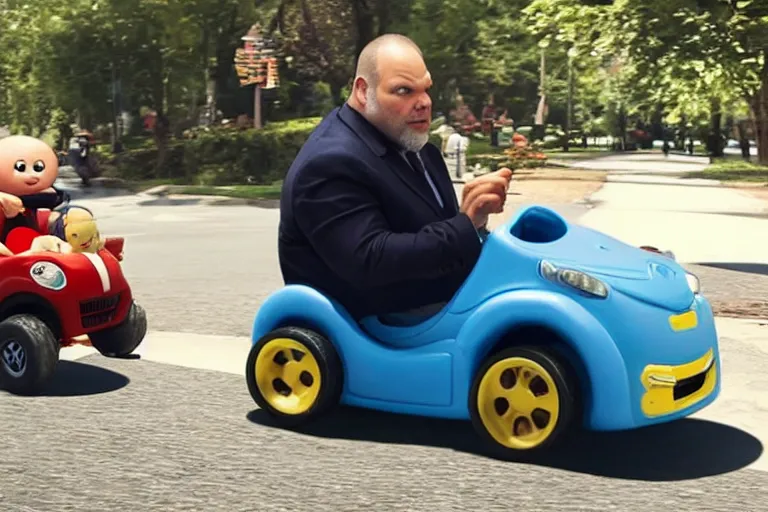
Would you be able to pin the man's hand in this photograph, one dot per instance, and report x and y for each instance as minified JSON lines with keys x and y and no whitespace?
{"x":11,"y":205}
{"x":485,"y":195}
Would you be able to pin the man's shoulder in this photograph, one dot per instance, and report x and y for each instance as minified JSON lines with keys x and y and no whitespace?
{"x":332,"y":144}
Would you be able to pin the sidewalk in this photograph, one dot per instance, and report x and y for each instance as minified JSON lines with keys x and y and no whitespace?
{"x":699,"y":224}
{"x":716,"y":232}
{"x":565,"y":191}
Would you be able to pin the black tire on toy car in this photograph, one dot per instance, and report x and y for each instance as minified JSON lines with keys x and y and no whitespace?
{"x":29,"y":353}
{"x":294,"y":374}
{"x":522,"y":401}
{"x":122,"y":340}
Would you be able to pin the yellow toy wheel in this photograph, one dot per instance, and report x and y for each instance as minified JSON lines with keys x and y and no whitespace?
{"x":521,"y":400}
{"x":294,"y":374}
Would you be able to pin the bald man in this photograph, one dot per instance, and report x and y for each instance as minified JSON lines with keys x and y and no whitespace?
{"x":368,"y":213}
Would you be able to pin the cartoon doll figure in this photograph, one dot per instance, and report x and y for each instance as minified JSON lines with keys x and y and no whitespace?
{"x":76,"y":225}
{"x":28,"y":169}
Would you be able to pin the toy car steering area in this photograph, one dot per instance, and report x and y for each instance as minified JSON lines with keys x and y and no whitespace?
{"x":558,"y":325}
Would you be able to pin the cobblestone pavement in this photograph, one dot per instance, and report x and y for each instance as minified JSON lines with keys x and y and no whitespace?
{"x":734,"y":293}
{"x":738,"y":290}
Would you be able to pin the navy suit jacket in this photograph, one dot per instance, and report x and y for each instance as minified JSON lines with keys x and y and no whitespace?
{"x":359,"y":224}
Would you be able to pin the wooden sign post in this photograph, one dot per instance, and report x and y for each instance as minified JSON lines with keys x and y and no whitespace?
{"x":256,"y":65}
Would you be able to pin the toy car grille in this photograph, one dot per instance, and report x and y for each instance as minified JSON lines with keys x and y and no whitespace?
{"x":98,"y":311}
{"x":690,"y":385}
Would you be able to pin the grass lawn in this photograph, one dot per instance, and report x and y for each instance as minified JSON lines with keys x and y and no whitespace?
{"x":733,"y":169}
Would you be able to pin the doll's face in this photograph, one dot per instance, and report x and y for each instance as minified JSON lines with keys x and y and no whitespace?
{"x":80,"y":231}
{"x":27,"y":165}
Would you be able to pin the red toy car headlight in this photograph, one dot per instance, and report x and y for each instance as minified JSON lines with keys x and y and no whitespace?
{"x":48,"y":275}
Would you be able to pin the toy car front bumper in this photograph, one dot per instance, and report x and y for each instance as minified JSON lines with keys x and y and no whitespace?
{"x":94,"y":305}
{"x":669,"y":389}
{"x":672,"y":365}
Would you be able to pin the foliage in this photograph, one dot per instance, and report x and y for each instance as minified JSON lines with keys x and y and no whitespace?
{"x":521,"y":155}
{"x":671,"y":67}
{"x":222,"y":156}
{"x":254,"y":192}
{"x":734,"y":169}
{"x":696,"y":59}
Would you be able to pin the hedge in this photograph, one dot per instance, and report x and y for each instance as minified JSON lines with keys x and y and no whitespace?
{"x":231,"y":156}
{"x":219,"y":156}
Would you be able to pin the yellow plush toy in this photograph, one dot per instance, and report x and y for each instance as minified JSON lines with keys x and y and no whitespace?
{"x":76,"y":226}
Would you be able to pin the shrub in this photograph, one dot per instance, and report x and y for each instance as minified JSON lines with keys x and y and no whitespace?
{"x":521,"y":155}
{"x":220,"y":155}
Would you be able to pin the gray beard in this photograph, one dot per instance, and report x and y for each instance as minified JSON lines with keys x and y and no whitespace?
{"x":409,"y":139}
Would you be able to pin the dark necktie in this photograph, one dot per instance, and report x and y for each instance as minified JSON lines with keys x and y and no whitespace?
{"x":418,"y":166}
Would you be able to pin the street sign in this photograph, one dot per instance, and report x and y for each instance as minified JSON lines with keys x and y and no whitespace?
{"x":256,"y":66}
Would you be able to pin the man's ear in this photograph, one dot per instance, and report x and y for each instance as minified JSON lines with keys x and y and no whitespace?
{"x":359,"y":90}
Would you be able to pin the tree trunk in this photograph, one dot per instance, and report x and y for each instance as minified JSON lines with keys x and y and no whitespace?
{"x":715,"y":139}
{"x":759,"y":105}
{"x":364,"y":21}
{"x":743,"y":140}
{"x":156,"y":68}
{"x":384,"y":13}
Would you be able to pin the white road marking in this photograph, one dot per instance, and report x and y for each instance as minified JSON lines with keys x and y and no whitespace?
{"x":225,"y":354}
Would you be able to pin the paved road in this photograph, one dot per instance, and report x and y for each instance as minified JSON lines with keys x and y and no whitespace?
{"x":145,"y":435}
{"x":137,"y":435}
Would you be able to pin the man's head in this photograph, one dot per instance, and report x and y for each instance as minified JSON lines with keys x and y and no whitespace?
{"x":391,"y":90}
{"x":27,"y":165}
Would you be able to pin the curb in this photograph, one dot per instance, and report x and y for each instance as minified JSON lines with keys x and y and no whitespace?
{"x":176,"y":199}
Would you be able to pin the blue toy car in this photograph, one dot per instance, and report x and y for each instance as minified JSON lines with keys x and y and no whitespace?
{"x":557,"y":325}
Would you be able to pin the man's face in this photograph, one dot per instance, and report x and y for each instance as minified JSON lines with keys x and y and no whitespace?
{"x":399,"y":104}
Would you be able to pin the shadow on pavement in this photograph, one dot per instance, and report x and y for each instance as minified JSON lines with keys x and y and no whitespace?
{"x":682,"y":450}
{"x":80,"y":379}
{"x":747,"y":268}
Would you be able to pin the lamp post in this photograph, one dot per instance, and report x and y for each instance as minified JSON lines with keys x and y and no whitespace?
{"x":541,"y":108}
{"x":572,"y":52}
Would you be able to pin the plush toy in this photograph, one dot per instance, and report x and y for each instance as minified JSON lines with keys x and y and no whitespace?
{"x":28,"y":169}
{"x":76,"y":226}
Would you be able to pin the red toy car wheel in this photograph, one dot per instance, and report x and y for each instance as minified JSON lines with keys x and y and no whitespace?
{"x":29,"y":353}
{"x":123,"y":339}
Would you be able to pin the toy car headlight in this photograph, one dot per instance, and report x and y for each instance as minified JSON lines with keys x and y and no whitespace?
{"x":48,"y":275}
{"x":575,"y":279}
{"x":693,"y":282}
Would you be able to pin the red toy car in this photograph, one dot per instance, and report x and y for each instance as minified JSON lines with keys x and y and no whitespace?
{"x":49,"y":298}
